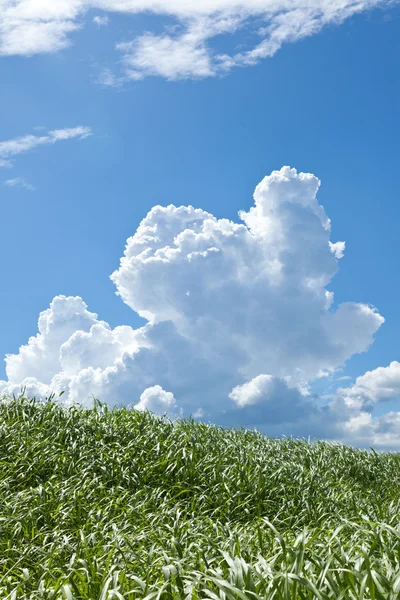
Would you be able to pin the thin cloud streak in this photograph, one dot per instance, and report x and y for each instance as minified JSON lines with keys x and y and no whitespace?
{"x":19,"y":182}
{"x":21,"y":145}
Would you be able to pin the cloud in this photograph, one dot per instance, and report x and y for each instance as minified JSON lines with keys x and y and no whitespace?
{"x":259,"y":389}
{"x":273,"y":406}
{"x":101,"y":21}
{"x":167,"y":57}
{"x":19,"y":182}
{"x":240,"y":322}
{"x":30,"y":27}
{"x":108,"y":78}
{"x":20,"y":145}
{"x":374,"y":387}
{"x":5,"y":164}
{"x":273,"y":403}
{"x":365,"y":431}
{"x":40,"y":358}
{"x":158,"y":401}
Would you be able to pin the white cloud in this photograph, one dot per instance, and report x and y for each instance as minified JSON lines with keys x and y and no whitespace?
{"x":19,"y":182}
{"x":172,"y":58}
{"x":158,"y":401}
{"x":374,"y":387}
{"x":240,"y":322}
{"x":29,"y":386}
{"x":37,"y":26}
{"x":363,"y":430}
{"x":101,"y":21}
{"x":338,"y":249}
{"x":275,"y":404}
{"x":20,"y":145}
{"x":67,"y":134}
{"x":253,"y":391}
{"x":40,"y":358}
{"x":5,"y":164}
{"x":108,"y":78}
{"x":259,"y":389}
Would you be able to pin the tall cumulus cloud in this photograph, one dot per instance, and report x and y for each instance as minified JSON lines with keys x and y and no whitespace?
{"x":239,"y":318}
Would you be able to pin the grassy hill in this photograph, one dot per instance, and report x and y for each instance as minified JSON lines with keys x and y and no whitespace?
{"x":99,"y":504}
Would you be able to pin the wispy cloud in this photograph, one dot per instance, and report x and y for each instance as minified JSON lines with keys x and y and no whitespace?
{"x":21,"y":145}
{"x":19,"y":182}
{"x":101,"y":21}
{"x":40,"y":26}
{"x":109,"y":79}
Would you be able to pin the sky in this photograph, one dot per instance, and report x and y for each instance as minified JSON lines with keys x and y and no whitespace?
{"x":200,"y":210}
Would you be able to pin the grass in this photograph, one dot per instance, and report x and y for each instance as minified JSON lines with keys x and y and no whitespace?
{"x":101,"y":504}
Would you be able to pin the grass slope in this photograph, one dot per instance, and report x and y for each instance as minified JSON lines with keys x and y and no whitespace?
{"x":99,"y":504}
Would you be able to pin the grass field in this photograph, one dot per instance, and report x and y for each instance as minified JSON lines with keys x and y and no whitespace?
{"x":100,"y":504}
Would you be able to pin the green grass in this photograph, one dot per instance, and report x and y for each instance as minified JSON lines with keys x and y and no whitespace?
{"x":100,"y":504}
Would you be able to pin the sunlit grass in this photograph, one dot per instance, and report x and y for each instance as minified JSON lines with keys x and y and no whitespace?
{"x":100,"y":504}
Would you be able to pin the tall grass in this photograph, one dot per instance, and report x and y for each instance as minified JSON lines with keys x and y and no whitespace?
{"x":101,"y":504}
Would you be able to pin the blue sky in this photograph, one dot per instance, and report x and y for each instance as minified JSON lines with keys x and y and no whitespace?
{"x":326,"y":104}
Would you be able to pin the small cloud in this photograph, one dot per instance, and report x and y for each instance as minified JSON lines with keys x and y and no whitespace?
{"x":108,"y":78}
{"x":5,"y":164}
{"x":158,"y":401}
{"x":20,"y":145}
{"x":19,"y":182}
{"x":101,"y":21}
{"x":66,"y":134}
{"x":338,"y":249}
{"x":174,"y":58}
{"x":199,"y":414}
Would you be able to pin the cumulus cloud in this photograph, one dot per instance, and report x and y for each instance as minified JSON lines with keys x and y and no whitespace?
{"x":20,"y":145}
{"x":272,"y":403}
{"x":40,"y":358}
{"x":271,"y":270}
{"x":260,"y":389}
{"x":374,"y":387}
{"x":38,"y":26}
{"x":240,"y":321}
{"x":157,"y":401}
